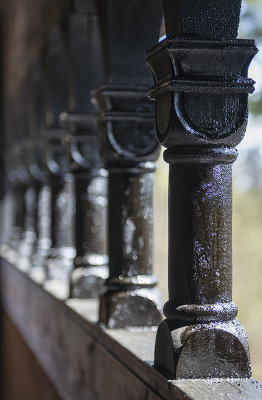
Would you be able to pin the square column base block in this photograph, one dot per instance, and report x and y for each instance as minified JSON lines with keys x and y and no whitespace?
{"x":131,"y":308}
{"x":212,"y":350}
{"x":88,"y":282}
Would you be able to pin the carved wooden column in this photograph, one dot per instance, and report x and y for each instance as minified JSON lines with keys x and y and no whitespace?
{"x":28,"y":244}
{"x":37,"y":168}
{"x":129,"y":149}
{"x":59,"y":264}
{"x":201,"y":92}
{"x":18,"y":195}
{"x":86,"y":72}
{"x":14,"y":229}
{"x":16,"y":164}
{"x":28,"y":210}
{"x":18,"y":199}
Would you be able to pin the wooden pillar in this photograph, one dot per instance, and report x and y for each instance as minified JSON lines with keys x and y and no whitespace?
{"x":60,"y":260}
{"x":18,"y":204}
{"x":37,"y":168}
{"x":17,"y":170}
{"x":129,"y":150}
{"x":28,"y":244}
{"x":90,"y":268}
{"x":201,"y":92}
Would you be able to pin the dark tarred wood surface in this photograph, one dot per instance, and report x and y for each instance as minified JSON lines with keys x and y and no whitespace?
{"x":82,"y":360}
{"x":23,"y":378}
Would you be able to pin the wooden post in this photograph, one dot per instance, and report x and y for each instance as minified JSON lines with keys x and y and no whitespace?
{"x":17,"y":170}
{"x":129,"y":150}
{"x":60,"y":261}
{"x":27,"y":246}
{"x":37,"y":168}
{"x":201,"y":92}
{"x":18,"y":206}
{"x":85,"y":73}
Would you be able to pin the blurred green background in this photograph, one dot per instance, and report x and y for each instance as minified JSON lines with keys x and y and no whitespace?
{"x":247,"y":206}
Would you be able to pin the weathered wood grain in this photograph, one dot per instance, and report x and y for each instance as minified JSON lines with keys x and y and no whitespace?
{"x":217,"y":389}
{"x":85,"y":361}
{"x":80,"y":358}
{"x":22,"y":376}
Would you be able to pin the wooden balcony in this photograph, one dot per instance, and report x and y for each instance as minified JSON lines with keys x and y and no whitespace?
{"x":84,"y":360}
{"x":81,"y":314}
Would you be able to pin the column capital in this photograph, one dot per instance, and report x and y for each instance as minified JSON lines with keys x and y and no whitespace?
{"x":201,"y":90}
{"x":126,"y":125}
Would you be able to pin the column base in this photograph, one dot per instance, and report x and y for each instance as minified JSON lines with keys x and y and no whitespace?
{"x":88,"y":282}
{"x":131,"y":308}
{"x":59,"y":268}
{"x":39,"y":258}
{"x":26,"y":248}
{"x":201,"y":351}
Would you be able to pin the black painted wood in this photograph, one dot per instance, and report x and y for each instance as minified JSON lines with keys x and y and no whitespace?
{"x":201,"y":90}
{"x":27,"y":156}
{"x":129,"y":150}
{"x":36,"y":161}
{"x":15,"y":164}
{"x":109,"y":363}
{"x":57,"y":98}
{"x":84,"y":49}
{"x":202,"y":19}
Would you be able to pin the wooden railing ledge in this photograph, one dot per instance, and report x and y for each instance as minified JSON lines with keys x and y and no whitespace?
{"x":86,"y":360}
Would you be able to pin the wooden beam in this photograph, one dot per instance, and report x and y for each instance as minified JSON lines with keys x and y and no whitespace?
{"x":85,"y":361}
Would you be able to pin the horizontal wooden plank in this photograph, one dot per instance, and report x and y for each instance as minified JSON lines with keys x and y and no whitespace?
{"x":82,"y":359}
{"x":22,"y":378}
{"x":85,"y":361}
{"x":217,"y":389}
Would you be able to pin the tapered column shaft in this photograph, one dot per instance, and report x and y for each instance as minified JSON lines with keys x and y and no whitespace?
{"x":19,"y":214}
{"x":18,"y":163}
{"x":30,"y":217}
{"x":91,"y":195}
{"x":65,"y":210}
{"x":43,"y":226}
{"x":200,"y":234}
{"x":130,"y":222}
{"x":56,"y":190}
